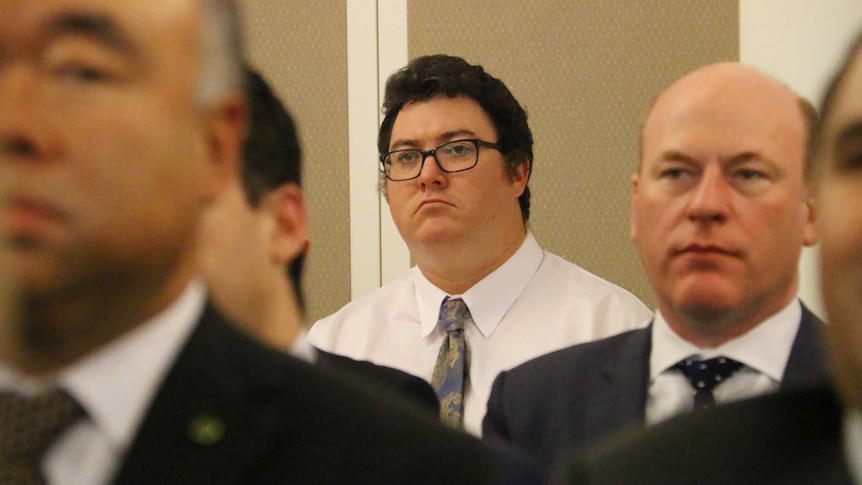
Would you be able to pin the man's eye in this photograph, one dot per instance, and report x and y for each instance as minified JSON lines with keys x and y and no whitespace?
{"x":87,"y":74}
{"x":672,"y":173}
{"x":406,"y":157}
{"x":748,"y":174}
{"x":83,"y":73}
{"x":848,"y":159}
{"x":459,"y":149}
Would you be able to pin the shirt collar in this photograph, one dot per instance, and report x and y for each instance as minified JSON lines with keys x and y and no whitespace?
{"x":116,"y":384}
{"x":765,"y":348}
{"x":302,"y":348}
{"x":490,"y":298}
{"x":853,"y":443}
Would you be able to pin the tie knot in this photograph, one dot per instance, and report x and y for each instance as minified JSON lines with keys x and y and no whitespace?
{"x":705,"y":375}
{"x":28,"y":425}
{"x":453,"y":314}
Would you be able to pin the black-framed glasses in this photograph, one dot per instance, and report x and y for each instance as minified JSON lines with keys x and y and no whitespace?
{"x":453,"y":156}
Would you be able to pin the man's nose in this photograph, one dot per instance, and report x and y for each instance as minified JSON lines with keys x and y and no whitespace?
{"x":430,"y":172}
{"x":710,"y":198}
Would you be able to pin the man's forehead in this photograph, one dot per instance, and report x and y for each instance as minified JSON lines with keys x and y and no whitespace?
{"x":95,"y":16}
{"x":455,"y":114}
{"x":759,"y":116}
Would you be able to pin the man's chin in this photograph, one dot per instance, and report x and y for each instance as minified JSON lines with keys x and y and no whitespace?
{"x":32,"y":276}
{"x":708,"y":301}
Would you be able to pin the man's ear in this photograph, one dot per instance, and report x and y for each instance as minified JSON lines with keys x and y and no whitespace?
{"x":633,"y":220}
{"x":520,"y":175}
{"x":225,"y":132}
{"x":289,"y":237}
{"x":810,"y":234}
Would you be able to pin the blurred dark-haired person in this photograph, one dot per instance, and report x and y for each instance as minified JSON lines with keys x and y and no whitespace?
{"x":456,"y":154}
{"x":254,"y":241}
{"x":810,"y":435}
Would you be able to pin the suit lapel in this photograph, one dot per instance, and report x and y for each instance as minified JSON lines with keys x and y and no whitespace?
{"x":202,"y":426}
{"x":624,"y":374}
{"x":808,"y":363}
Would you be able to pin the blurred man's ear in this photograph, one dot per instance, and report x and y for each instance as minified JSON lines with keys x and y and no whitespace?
{"x":226,"y":124}
{"x":290,"y":231}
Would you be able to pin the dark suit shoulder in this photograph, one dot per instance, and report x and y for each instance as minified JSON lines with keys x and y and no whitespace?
{"x":570,"y":397}
{"x":407,"y":386}
{"x":569,"y":364}
{"x":808,"y":364}
{"x":791,"y":437}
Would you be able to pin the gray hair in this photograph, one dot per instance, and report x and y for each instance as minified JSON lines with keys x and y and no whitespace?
{"x":220,"y":51}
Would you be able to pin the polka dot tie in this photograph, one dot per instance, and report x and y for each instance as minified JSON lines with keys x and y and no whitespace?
{"x":28,"y":426}
{"x":705,"y":375}
{"x":451,"y":370}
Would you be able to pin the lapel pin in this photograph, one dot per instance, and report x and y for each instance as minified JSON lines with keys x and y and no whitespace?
{"x":206,"y":429}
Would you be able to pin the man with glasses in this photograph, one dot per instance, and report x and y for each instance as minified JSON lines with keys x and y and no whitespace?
{"x":456,"y":157}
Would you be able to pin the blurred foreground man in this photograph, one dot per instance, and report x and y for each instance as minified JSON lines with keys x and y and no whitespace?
{"x":120,"y":122}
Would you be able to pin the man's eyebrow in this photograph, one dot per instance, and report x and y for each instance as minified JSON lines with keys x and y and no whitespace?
{"x":451,"y":135}
{"x":850,"y":133}
{"x":675,"y":156}
{"x":745,"y":157}
{"x":95,"y":26}
{"x":442,"y":138}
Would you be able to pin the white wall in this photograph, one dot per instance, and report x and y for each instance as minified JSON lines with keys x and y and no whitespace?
{"x":376,"y":47}
{"x":800,"y":42}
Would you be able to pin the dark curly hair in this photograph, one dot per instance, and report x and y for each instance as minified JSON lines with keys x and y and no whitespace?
{"x":432,"y":76}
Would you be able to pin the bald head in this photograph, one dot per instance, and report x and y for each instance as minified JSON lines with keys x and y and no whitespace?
{"x":733,"y":93}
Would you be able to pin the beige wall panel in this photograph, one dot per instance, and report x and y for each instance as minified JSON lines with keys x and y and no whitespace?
{"x":301,"y":47}
{"x":586,"y":72}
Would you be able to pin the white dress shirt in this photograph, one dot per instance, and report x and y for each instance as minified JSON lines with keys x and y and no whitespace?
{"x":533,"y":304}
{"x":303,"y":350}
{"x":115,"y":386}
{"x":853,"y":443}
{"x":763,"y":350}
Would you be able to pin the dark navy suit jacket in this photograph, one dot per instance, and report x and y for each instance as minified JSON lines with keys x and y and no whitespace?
{"x":575,"y":397}
{"x":232,"y":411}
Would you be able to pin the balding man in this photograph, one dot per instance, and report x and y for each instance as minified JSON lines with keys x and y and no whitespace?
{"x":809,"y":435}
{"x":720,"y":212}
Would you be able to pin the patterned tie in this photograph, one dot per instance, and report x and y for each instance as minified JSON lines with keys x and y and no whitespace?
{"x":451,"y":371}
{"x":28,"y":426}
{"x":705,"y":375}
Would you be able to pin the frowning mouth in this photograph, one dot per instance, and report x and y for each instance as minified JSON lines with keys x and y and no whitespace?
{"x":705,"y":250}
{"x":433,"y":202}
